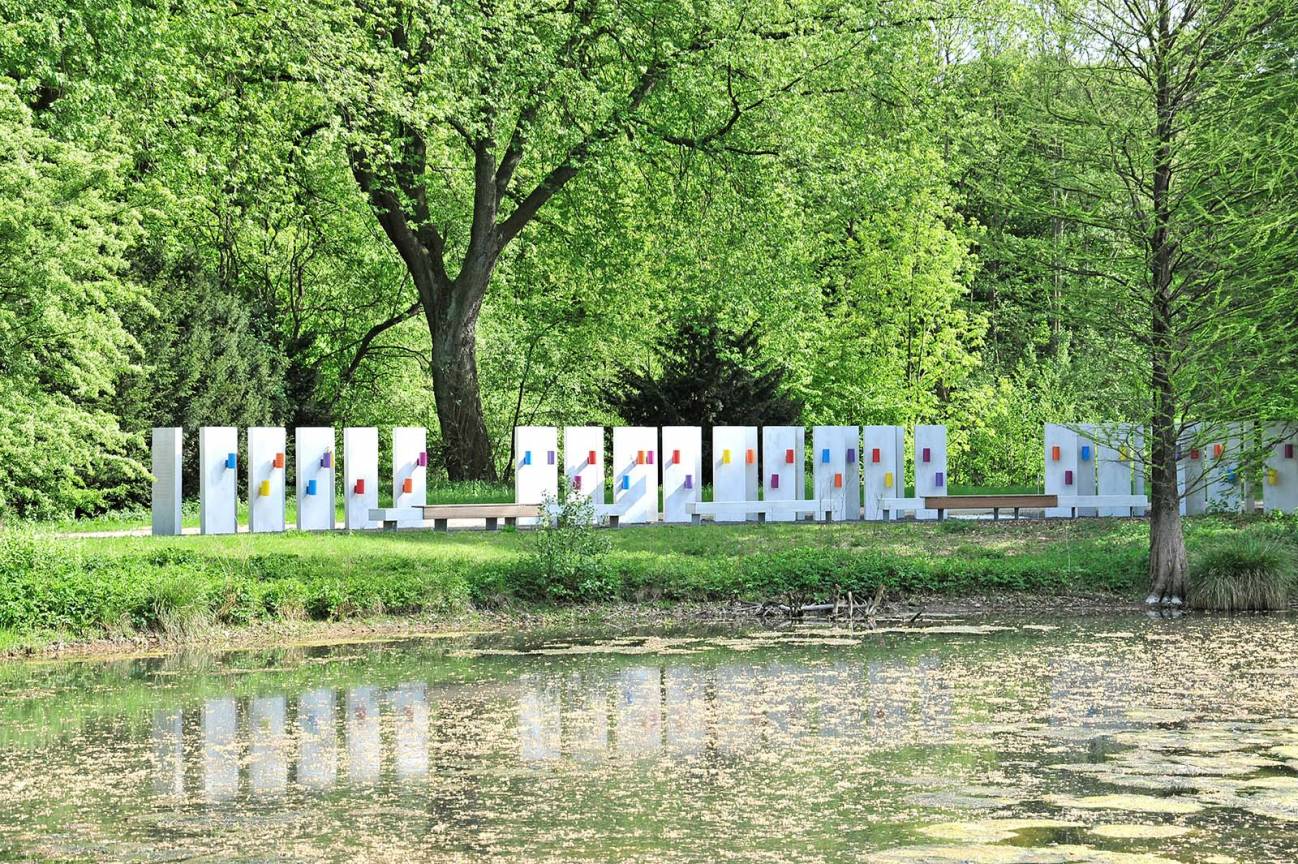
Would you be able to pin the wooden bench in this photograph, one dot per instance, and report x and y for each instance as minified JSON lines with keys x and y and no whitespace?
{"x":441,"y":514}
{"x":943,"y":503}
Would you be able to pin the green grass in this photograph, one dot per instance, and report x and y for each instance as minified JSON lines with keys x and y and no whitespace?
{"x":1241,"y":573}
{"x":54,"y":586}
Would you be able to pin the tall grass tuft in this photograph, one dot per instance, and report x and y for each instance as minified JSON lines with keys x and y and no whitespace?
{"x":1241,"y":574}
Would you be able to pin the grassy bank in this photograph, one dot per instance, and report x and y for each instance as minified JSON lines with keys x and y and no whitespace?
{"x":56,"y":587}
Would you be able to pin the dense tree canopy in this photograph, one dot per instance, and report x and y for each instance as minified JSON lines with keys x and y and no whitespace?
{"x":469,"y":215}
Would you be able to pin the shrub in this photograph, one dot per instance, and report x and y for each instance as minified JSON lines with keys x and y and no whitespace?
{"x":1241,"y":573}
{"x":570,"y":554}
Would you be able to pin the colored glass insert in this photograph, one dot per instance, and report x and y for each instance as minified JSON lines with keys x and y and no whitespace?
{"x":639,"y":457}
{"x":875,"y":456}
{"x":928,"y":455}
{"x":788,"y":455}
{"x":231,"y":461}
{"x":1231,"y":476}
{"x":527,"y":458}
{"x":360,"y":486}
{"x":1054,"y":453}
{"x":689,"y":481}
{"x":264,"y":491}
{"x":824,"y":456}
{"x":279,"y":460}
{"x":1288,"y":451}
{"x":592,"y":458}
{"x":676,"y":457}
{"x":887,"y":479}
{"x":549,"y":457}
{"x":327,"y":460}
{"x":1194,"y":452}
{"x":311,"y":487}
{"x":1086,"y":453}
{"x":626,"y":481}
{"x":1272,"y":476}
{"x":775,"y":481}
{"x":725,"y":457}
{"x":851,"y":455}
{"x":407,"y":486}
{"x":1068,"y":478}
{"x":576,"y":482}
{"x":1216,"y":451}
{"x":422,"y":460}
{"x":749,"y":457}
{"x":939,"y":479}
{"x":838,"y":481}
{"x":649,"y":457}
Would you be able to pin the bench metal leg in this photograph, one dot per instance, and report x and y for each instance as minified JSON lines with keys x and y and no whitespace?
{"x":1016,"y":513}
{"x":491,"y":523}
{"x":996,"y":514}
{"x":440,"y":525}
{"x":511,"y":522}
{"x":761,"y":517}
{"x":941,"y":514}
{"x":390,"y":525}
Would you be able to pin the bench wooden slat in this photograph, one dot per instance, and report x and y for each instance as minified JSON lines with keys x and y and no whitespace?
{"x":987,"y":502}
{"x":478,"y":511}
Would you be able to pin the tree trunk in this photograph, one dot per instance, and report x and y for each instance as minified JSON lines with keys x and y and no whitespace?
{"x":1167,"y":562}
{"x":454,"y":331}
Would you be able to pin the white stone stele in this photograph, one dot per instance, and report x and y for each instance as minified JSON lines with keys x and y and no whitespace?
{"x":829,"y":461}
{"x":360,"y":463}
{"x":218,"y":483}
{"x":635,"y":474}
{"x":167,"y":443}
{"x":1115,"y":449}
{"x":266,"y":511}
{"x":734,"y":467}
{"x":1190,"y":483}
{"x":851,"y":444}
{"x":315,"y":512}
{"x":783,"y":479}
{"x":409,"y":448}
{"x":1225,"y":482}
{"x":583,"y":476}
{"x":926,"y":481}
{"x":536,"y":466}
{"x":1084,"y":480}
{"x":1280,"y":489}
{"x":682,"y":471}
{"x":1056,"y":470}
{"x":884,"y":477}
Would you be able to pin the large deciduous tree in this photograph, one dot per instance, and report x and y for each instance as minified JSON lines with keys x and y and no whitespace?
{"x":462,"y":120}
{"x":1171,"y":159}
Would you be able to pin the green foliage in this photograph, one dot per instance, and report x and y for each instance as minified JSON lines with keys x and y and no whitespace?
{"x":1240,"y":574}
{"x":64,"y":232}
{"x":706,"y":376}
{"x":569,"y":558}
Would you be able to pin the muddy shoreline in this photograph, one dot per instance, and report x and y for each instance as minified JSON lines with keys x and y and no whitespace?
{"x":628,"y":617}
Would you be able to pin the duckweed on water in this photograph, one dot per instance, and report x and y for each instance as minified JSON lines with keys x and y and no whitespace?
{"x":1010,"y":745}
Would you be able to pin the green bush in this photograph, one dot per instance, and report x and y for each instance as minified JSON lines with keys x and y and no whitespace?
{"x":1241,"y":573}
{"x":569,"y":561}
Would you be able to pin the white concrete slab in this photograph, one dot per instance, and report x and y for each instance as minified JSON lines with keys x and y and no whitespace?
{"x":218,"y":475}
{"x":360,"y":476}
{"x":267,"y":478}
{"x":167,"y":444}
{"x":682,"y":471}
{"x":315,"y":470}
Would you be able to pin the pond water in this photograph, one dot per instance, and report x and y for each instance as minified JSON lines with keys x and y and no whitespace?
{"x":1117,"y":740}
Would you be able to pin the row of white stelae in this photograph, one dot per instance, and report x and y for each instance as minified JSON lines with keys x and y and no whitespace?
{"x":315,"y":472}
{"x":854,"y":470}
{"x":1097,"y":459}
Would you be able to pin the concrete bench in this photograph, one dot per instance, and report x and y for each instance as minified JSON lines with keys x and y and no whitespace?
{"x":761,"y":509}
{"x":441,"y":514}
{"x":891,"y":506}
{"x":1072,"y":502}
